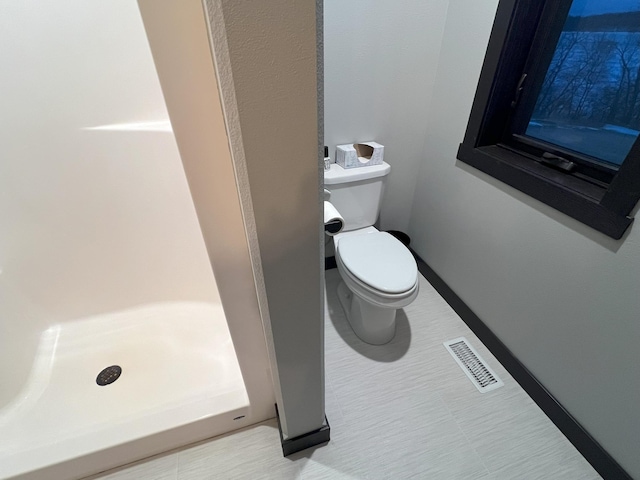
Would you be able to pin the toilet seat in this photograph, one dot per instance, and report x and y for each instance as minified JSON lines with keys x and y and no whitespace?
{"x":373,"y":296}
{"x":379,"y":263}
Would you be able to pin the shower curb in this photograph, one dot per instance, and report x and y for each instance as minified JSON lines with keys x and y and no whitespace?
{"x":307,"y":440}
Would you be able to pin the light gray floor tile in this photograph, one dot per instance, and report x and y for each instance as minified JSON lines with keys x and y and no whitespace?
{"x":332,"y":406}
{"x":163,"y":467}
{"x":397,"y":411}
{"x":551,"y":463}
{"x":252,"y":453}
{"x":404,"y":448}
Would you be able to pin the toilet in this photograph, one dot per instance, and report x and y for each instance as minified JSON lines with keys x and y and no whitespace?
{"x":379,"y":274}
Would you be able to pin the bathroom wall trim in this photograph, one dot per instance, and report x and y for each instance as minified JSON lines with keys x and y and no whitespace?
{"x":329,"y":263}
{"x":590,"y":449}
{"x":318,"y":437}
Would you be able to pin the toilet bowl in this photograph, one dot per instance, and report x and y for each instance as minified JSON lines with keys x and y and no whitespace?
{"x":379,"y":275}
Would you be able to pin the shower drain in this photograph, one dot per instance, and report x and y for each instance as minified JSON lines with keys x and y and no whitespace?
{"x":109,"y":375}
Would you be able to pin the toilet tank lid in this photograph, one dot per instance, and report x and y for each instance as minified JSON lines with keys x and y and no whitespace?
{"x":338,"y":175}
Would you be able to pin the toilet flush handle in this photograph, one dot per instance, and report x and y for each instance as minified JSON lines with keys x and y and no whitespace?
{"x":327,"y":194}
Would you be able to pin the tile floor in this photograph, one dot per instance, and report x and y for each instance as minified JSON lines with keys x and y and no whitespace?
{"x":398,"y":411}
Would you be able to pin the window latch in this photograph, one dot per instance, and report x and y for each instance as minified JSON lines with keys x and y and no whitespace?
{"x":557,"y":162}
{"x":519,"y":89}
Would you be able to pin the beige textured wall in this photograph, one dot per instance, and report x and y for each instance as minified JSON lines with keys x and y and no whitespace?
{"x":271,"y":57}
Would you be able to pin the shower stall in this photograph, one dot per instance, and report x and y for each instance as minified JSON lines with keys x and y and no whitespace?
{"x":114,"y":343}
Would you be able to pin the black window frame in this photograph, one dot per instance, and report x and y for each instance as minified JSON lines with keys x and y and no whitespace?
{"x":523,"y":38}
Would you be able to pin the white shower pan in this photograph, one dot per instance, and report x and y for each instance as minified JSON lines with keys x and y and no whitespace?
{"x":180,"y":383}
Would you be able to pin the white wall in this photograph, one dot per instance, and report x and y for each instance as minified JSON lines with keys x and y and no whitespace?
{"x":561,"y":296}
{"x":90,"y":221}
{"x":380,"y":59}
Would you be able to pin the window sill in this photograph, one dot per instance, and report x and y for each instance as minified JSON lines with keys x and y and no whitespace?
{"x":570,"y":195}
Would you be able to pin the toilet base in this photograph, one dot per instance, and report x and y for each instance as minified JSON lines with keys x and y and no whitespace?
{"x":372,"y":324}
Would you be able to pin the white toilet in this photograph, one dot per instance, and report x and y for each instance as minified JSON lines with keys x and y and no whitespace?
{"x":379,"y":274}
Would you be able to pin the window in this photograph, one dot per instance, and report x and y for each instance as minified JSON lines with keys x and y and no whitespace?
{"x":557,"y":109}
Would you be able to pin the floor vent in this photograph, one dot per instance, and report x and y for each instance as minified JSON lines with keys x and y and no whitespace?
{"x":473,"y":365}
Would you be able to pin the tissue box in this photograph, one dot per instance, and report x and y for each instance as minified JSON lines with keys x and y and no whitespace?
{"x":359,"y":154}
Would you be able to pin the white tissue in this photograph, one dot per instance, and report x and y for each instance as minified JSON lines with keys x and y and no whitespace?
{"x":332,"y":216}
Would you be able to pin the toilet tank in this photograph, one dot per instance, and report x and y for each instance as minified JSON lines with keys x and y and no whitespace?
{"x":357,"y":193}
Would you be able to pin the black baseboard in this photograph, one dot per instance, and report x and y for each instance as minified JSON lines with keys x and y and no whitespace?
{"x":302,"y":442}
{"x":591,"y":450}
{"x":329,"y":263}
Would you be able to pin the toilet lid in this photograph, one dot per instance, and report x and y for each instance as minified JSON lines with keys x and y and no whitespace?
{"x":380,"y":261}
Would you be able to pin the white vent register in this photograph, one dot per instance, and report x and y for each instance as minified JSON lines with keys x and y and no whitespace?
{"x":473,"y":365}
